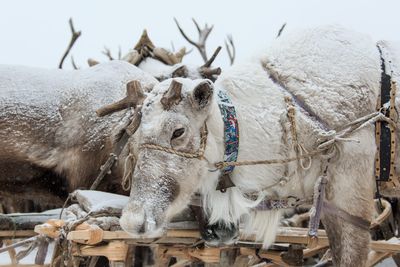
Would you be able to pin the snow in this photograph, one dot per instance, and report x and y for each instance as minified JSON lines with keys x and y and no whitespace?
{"x":96,"y":201}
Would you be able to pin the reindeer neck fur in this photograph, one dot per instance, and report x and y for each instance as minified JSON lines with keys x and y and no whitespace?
{"x":263,"y":125}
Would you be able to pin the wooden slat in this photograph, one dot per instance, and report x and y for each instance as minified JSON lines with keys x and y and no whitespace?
{"x":18,"y":233}
{"x":176,"y":240}
{"x":296,"y":236}
{"x":392,"y":245}
{"x":183,"y":233}
{"x":25,"y":265}
{"x":309,"y":252}
{"x":275,"y":256}
{"x":114,"y":251}
{"x":207,"y":255}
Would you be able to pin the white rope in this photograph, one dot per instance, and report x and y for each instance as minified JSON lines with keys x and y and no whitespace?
{"x":128,"y":170}
{"x":302,"y":149}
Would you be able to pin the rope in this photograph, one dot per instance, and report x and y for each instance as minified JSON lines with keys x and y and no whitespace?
{"x":303,"y":149}
{"x":64,"y":205}
{"x":196,"y":155}
{"x":298,"y":148}
{"x":326,"y":148}
{"x":222,"y":164}
{"x":316,"y":212}
{"x":126,"y":181}
{"x":327,"y":145}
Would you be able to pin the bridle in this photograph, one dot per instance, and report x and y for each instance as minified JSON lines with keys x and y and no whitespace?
{"x":199,"y":154}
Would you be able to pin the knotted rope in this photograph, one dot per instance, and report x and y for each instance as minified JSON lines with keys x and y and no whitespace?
{"x":195,"y":155}
{"x":328,"y":141}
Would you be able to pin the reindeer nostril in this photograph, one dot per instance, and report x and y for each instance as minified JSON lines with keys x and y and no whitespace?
{"x":142,"y":229}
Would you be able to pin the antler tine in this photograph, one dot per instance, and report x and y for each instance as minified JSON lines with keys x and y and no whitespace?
{"x":107,"y":53}
{"x":144,"y":41}
{"x":203,"y":35}
{"x":212,"y":58}
{"x":134,"y":97}
{"x":184,"y":34}
{"x":197,"y":25}
{"x":281,"y":30}
{"x":208,"y":72}
{"x":74,"y":37}
{"x":231,"y":52}
{"x":172,"y":96}
{"x":180,"y":54}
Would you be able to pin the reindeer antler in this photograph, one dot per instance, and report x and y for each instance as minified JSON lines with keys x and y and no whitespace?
{"x":208,"y":72}
{"x":172,"y":96}
{"x":107,"y":53}
{"x":203,"y":35}
{"x":74,"y":37}
{"x":134,"y":97}
{"x":281,"y":30}
{"x":230,"y":48}
{"x":167,"y":57}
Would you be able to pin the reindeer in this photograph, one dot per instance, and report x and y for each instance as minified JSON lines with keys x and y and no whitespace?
{"x":39,"y":177}
{"x":294,"y":99}
{"x":48,"y":123}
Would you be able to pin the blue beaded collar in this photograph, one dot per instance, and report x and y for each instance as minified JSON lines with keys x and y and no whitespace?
{"x":231,"y":138}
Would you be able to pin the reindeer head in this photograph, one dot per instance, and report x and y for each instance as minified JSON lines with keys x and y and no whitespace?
{"x":171,"y":139}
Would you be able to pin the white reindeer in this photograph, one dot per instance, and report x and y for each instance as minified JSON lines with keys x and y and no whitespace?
{"x":332,"y":76}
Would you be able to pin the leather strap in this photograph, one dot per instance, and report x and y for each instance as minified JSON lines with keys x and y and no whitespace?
{"x":119,"y":146}
{"x":384,"y":132}
{"x":354,"y":220}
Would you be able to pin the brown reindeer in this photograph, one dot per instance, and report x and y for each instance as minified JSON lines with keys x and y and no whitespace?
{"x":49,"y":128}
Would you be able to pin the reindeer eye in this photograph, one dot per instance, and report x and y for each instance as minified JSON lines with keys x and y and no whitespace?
{"x":177,"y":133}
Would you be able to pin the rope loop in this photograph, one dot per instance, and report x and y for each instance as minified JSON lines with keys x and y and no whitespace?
{"x":129,"y":166}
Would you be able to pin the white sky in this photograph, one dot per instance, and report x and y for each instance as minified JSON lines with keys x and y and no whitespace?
{"x":36,"y":33}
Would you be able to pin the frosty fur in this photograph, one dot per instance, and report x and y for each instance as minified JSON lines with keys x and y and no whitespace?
{"x":48,"y":120}
{"x":335,"y":74}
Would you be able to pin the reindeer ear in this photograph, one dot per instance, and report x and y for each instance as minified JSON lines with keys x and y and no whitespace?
{"x":202,"y":94}
{"x":181,"y":71}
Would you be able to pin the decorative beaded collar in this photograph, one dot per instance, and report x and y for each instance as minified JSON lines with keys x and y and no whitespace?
{"x":231,"y":138}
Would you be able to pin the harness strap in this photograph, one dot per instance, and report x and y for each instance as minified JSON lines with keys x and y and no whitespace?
{"x":128,"y":132}
{"x":360,"y":222}
{"x":384,"y":132}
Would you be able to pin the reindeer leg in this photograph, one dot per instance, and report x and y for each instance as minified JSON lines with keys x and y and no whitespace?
{"x":349,"y":243}
{"x":350,"y":188}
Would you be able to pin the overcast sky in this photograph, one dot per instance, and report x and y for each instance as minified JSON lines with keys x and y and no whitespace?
{"x":36,"y":33}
